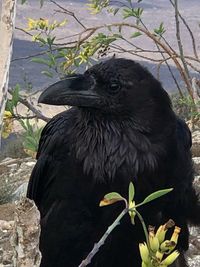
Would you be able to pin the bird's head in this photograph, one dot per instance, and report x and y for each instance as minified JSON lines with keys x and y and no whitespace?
{"x":116,"y":86}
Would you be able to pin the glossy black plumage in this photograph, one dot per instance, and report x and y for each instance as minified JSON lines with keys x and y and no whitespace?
{"x":129,"y":134}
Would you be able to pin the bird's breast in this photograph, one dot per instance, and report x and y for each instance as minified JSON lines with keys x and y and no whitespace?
{"x":106,"y":149}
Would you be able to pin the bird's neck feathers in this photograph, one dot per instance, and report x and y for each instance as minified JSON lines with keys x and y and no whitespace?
{"x":106,"y":145}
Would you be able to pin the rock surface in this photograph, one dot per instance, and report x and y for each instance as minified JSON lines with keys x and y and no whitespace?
{"x":196,"y":143}
{"x":19,"y":234}
{"x":14,"y":176}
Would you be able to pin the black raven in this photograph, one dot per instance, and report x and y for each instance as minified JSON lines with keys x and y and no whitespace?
{"x":122,"y":128}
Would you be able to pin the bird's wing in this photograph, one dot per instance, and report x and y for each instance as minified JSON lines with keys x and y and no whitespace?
{"x":45,"y":171}
{"x":184,"y":134}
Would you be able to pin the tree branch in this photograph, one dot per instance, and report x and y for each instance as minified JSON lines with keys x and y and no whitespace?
{"x":26,"y":103}
{"x":187,"y":75}
{"x":68,"y":12}
{"x":189,"y":30}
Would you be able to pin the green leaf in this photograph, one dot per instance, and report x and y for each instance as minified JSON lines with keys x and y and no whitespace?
{"x":156,"y":194}
{"x":50,"y":40}
{"x":112,"y":195}
{"x":160,"y":30}
{"x":23,"y":1}
{"x":9,"y":106}
{"x":47,"y":73}
{"x":41,"y":61}
{"x":136,"y":34}
{"x":131,"y":192}
{"x":127,"y":13}
{"x":42,"y":40}
{"x":15,"y":95}
{"x":23,"y":124}
{"x":116,"y":35}
{"x":111,"y":198}
{"x":31,"y":141}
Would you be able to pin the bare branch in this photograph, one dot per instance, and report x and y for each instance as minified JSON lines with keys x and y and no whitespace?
{"x":173,"y":56}
{"x":30,"y":56}
{"x":132,"y":52}
{"x":189,"y":30}
{"x":187,"y":75}
{"x":33,"y":109}
{"x":26,"y":103}
{"x":24,"y":31}
{"x":192,"y":66}
{"x":68,"y":12}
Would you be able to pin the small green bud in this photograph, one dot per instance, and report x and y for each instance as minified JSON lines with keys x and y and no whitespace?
{"x":132,"y":212}
{"x":144,"y":253}
{"x":154,"y":243}
{"x":167,"y":246}
{"x":171,"y":258}
{"x":159,"y":255}
{"x":160,"y":234}
{"x":144,"y":264}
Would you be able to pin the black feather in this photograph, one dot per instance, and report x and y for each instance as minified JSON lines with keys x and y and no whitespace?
{"x":130,"y":134}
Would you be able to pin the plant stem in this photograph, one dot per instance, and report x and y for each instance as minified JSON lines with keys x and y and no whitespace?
{"x":144,"y":227}
{"x":96,"y":247}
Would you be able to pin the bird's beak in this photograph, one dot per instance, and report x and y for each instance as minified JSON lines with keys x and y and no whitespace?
{"x":76,"y":90}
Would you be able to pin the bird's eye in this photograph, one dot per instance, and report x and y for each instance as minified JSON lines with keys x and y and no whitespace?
{"x":114,"y":87}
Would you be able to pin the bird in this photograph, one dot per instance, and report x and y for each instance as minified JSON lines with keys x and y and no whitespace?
{"x":121,"y":128}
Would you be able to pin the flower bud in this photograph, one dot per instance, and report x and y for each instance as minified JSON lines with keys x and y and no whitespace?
{"x":154,"y":242}
{"x":167,"y":246}
{"x":144,"y":253}
{"x":132,"y":212}
{"x":160,"y":234}
{"x":159,"y":255}
{"x":171,"y":258}
{"x":144,"y":264}
{"x":175,"y":234}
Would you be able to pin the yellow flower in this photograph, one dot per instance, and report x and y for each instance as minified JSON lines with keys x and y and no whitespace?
{"x":7,"y":124}
{"x":7,"y":114}
{"x":31,"y":24}
{"x":43,"y":24}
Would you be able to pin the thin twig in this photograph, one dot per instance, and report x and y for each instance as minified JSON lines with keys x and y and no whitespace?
{"x":192,"y":66}
{"x":133,"y":53}
{"x":30,"y":56}
{"x":18,"y":117}
{"x":189,"y":30}
{"x":171,"y":72}
{"x":153,"y":38}
{"x":178,"y":36}
{"x":68,"y":12}
{"x":22,"y":30}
